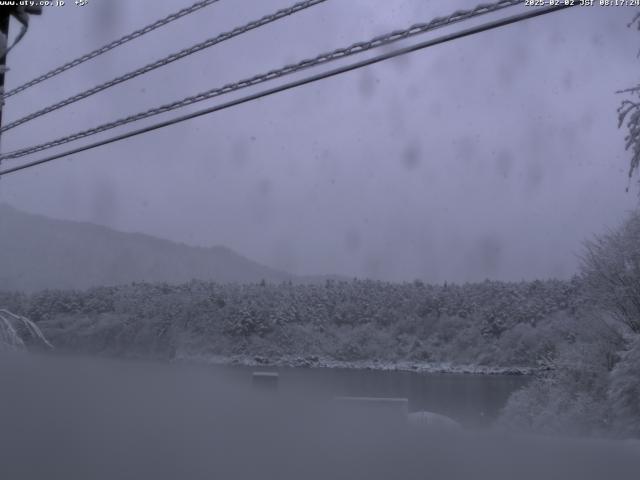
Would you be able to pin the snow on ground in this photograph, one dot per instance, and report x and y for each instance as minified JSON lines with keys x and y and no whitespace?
{"x":317,"y":362}
{"x":19,"y":333}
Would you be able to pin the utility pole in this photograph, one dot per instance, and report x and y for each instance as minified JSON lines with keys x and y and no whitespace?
{"x":5,"y":15}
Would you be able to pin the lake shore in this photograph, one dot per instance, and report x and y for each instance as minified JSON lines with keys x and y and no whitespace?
{"x":380,"y":365}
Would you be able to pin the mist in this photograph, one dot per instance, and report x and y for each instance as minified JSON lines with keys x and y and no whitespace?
{"x":97,"y":419}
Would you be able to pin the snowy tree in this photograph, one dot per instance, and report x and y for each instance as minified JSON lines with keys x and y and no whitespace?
{"x":611,"y":270}
{"x":624,"y":392}
{"x":629,"y":115}
{"x":594,"y":384}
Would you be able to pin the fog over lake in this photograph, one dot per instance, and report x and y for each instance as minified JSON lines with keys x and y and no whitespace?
{"x":82,"y":418}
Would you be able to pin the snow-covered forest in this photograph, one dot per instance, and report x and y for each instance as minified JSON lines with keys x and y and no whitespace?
{"x":487,"y":324}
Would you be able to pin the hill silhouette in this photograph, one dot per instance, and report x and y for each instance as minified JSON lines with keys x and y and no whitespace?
{"x":37,"y":252}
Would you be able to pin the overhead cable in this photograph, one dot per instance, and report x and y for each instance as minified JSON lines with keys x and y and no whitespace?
{"x":166,"y":60}
{"x":381,"y":40}
{"x":287,"y":86}
{"x":110,"y":46}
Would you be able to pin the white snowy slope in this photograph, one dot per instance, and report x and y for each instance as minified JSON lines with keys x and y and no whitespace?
{"x":20,"y":333}
{"x":433,"y":421}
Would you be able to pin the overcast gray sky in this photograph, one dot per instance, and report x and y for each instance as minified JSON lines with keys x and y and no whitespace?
{"x":493,"y":156}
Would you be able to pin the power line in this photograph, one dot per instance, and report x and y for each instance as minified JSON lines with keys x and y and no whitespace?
{"x":278,"y":15}
{"x":287,"y":86}
{"x":110,"y":46}
{"x":439,"y":22}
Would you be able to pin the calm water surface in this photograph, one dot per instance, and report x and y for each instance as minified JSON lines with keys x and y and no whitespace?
{"x":68,"y":418}
{"x":473,"y":400}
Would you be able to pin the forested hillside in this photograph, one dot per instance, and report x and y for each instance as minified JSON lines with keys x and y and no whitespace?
{"x":485,"y":324}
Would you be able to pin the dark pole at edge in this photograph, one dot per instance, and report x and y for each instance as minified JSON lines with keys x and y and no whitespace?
{"x":5,"y":15}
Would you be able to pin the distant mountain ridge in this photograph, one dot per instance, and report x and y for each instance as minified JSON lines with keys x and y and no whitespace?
{"x":38,"y":252}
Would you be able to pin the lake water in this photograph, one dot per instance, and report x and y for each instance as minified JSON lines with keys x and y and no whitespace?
{"x":473,"y":400}
{"x":105,"y":419}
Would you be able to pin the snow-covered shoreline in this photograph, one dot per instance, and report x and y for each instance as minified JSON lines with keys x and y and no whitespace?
{"x":317,"y":362}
